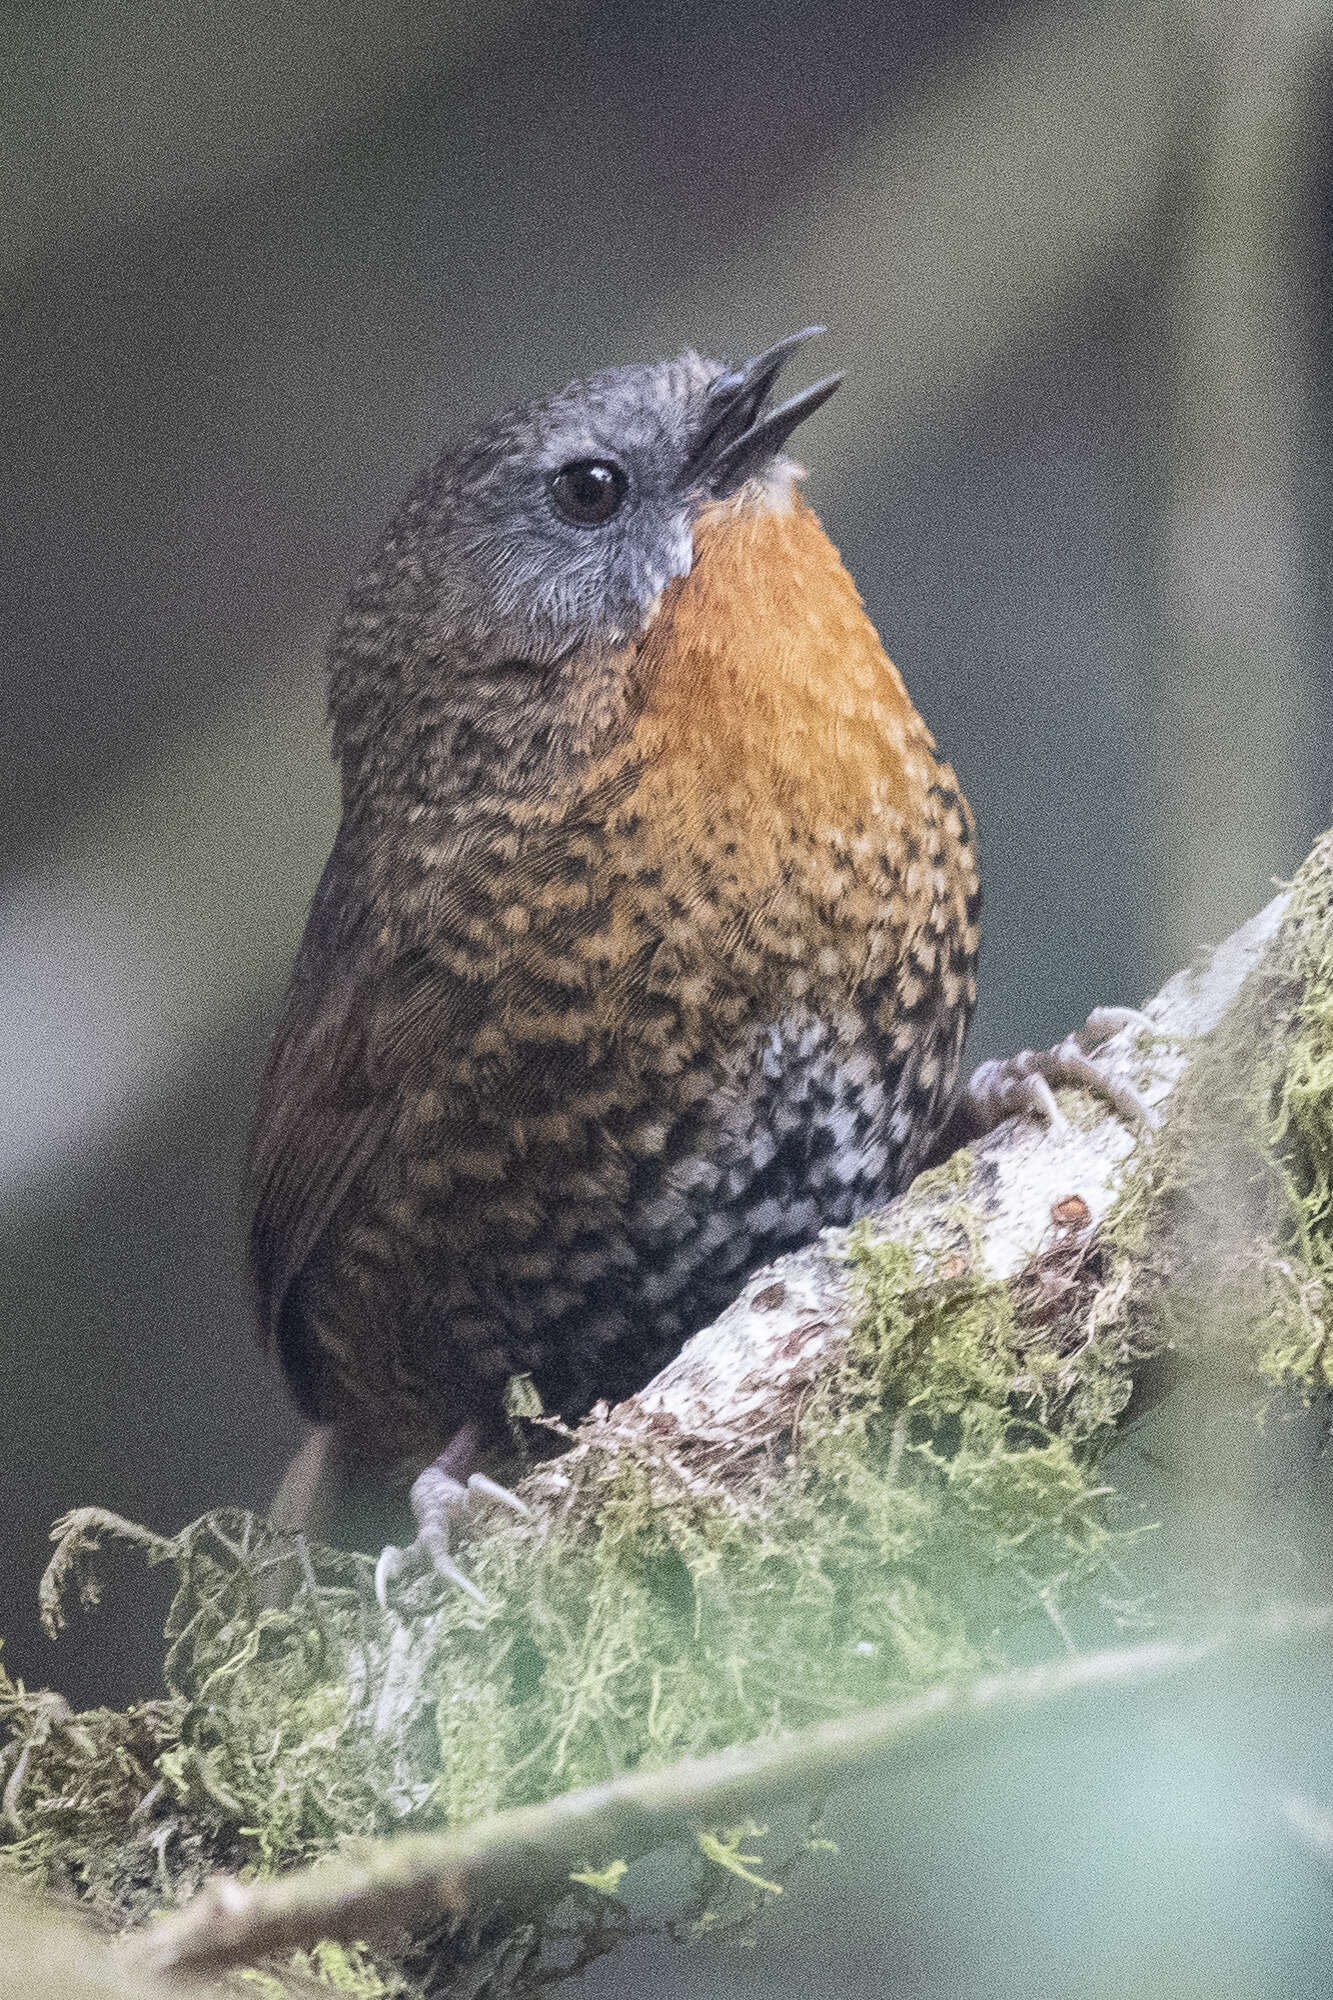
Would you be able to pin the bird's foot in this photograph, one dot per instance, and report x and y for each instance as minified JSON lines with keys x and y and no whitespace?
{"x":438,"y":1497}
{"x":1024,"y":1084}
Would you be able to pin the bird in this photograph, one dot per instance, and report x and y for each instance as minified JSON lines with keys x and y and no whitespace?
{"x":646,"y":947}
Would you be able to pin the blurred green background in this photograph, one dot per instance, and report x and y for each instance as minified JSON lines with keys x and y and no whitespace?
{"x":256,"y":264}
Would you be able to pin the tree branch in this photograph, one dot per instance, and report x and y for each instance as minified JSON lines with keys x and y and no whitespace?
{"x":511,"y":1859}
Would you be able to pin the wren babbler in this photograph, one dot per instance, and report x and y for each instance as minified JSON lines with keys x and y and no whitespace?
{"x":647,"y":943}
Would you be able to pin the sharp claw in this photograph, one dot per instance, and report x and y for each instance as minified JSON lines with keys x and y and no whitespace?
{"x":388,"y":1567}
{"x":434,"y":1544}
{"x":480,"y":1483}
{"x":1014,"y":1089}
{"x":435,"y":1498}
{"x":446,"y":1567}
{"x":1068,"y":1062}
{"x":1122,"y":1097}
{"x":1038,"y":1098}
{"x":1022,"y":1083}
{"x":1103,"y":1022}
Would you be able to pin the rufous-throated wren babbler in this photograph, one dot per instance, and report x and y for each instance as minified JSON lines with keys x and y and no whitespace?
{"x":647,"y":944}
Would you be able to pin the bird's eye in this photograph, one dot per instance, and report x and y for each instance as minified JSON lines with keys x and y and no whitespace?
{"x":589,"y":491}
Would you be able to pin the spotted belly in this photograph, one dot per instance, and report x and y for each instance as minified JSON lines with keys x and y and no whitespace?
{"x":813,"y":1132}
{"x":586,"y":1261}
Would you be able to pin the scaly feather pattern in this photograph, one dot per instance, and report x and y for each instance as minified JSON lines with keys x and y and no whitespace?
{"x":630,"y":969}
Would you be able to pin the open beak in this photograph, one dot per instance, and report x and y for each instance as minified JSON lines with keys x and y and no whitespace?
{"x":737,"y":435}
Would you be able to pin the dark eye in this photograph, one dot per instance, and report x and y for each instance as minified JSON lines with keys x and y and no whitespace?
{"x":589,"y":491}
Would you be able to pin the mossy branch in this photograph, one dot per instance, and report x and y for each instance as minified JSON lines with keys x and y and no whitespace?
{"x":890,"y":1468}
{"x":512,"y":1859}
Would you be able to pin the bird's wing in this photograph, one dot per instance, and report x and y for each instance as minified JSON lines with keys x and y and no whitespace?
{"x":317,"y":1127}
{"x":354,"y":1035}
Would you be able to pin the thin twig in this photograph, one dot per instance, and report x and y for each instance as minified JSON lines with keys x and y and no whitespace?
{"x":513,"y":1859}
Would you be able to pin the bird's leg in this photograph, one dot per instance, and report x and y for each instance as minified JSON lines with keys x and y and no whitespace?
{"x":301,"y":1507}
{"x":439,"y":1494}
{"x":1024,"y":1083}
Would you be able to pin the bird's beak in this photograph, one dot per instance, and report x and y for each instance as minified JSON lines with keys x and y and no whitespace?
{"x":737,"y":435}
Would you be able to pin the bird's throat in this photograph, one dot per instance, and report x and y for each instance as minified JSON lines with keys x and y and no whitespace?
{"x":768,"y":697}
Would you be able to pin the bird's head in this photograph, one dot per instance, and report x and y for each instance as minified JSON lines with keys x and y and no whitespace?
{"x":535,"y":554}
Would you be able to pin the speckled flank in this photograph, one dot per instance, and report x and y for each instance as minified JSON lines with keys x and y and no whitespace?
{"x":604,"y":1042}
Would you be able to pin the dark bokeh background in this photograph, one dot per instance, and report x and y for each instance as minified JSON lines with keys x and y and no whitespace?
{"x":257,"y":264}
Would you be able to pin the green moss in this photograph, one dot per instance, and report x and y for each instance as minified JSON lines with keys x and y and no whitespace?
{"x":951,"y":1176}
{"x":341,"y":1968}
{"x":942,"y":1345}
{"x":348,"y":1969}
{"x":1300,"y":1141}
{"x":997,"y":1448}
{"x":1228,"y":1222}
{"x":74,"y":1787}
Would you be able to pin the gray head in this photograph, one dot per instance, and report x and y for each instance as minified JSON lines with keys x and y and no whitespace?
{"x":552,"y":531}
